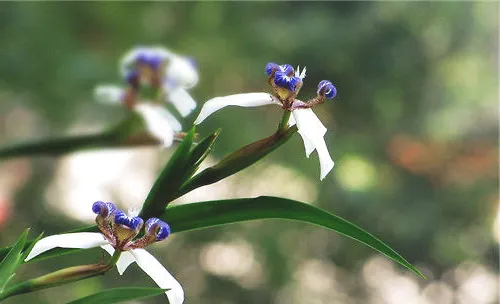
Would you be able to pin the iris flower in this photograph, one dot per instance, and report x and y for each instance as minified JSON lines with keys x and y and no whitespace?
{"x":286,"y":84}
{"x":165,"y":74}
{"x":120,"y":232}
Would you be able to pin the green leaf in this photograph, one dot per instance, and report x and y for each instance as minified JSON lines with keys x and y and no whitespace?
{"x":238,"y":160}
{"x":200,"y":152}
{"x":169,"y":180}
{"x":127,"y":133}
{"x":119,"y":295}
{"x":13,"y":259}
{"x":213,"y":213}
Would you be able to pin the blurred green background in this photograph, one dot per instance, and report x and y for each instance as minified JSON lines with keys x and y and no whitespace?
{"x":413,"y":131}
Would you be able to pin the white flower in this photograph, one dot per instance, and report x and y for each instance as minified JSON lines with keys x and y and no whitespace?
{"x":160,"y":123}
{"x":286,"y":84}
{"x":175,"y":73}
{"x":132,"y":251}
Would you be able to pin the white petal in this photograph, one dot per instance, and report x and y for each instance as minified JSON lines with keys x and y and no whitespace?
{"x":312,"y":131}
{"x":308,"y":145}
{"x":181,"y":99}
{"x":181,"y":72}
{"x":242,"y":100}
{"x":173,"y":122}
{"x":126,"y":258}
{"x":156,"y":122}
{"x":160,"y":275}
{"x":81,"y":240}
{"x":108,"y":94}
{"x":303,"y":73}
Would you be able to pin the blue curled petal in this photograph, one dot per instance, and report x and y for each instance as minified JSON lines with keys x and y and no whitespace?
{"x":158,"y":227}
{"x":287,"y":69}
{"x":155,"y":62}
{"x":121,"y":218}
{"x":271,"y":67}
{"x":135,"y":223}
{"x":282,"y":80}
{"x":327,"y":88}
{"x":103,"y":209}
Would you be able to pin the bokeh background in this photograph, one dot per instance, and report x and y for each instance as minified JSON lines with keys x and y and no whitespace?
{"x":413,"y":131}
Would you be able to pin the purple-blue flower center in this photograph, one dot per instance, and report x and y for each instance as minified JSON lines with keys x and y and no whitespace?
{"x":282,"y":80}
{"x":131,"y":222}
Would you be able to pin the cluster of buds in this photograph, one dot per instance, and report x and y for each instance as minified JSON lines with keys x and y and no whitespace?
{"x":286,"y":83}
{"x":121,"y":230}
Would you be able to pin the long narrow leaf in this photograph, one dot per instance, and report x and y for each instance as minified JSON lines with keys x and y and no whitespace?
{"x":213,"y":213}
{"x":169,"y":180}
{"x":12,"y":261}
{"x":129,"y":132}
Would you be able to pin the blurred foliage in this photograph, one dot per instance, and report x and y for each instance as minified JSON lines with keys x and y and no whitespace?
{"x":413,"y":129}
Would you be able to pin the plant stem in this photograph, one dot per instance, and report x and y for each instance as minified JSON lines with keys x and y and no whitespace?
{"x":284,"y":121}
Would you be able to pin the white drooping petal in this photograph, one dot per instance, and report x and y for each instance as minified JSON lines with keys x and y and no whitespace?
{"x":81,"y":240}
{"x":156,"y":122}
{"x":181,"y":99}
{"x":109,"y":94}
{"x":242,"y":100}
{"x":312,"y":131}
{"x":182,"y":72}
{"x":307,"y":144}
{"x":126,"y":258}
{"x":160,"y":275}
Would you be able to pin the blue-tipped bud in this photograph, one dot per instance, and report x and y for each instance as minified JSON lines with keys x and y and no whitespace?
{"x":327,"y":88}
{"x":282,"y":80}
{"x":157,"y":227}
{"x":286,"y":69}
{"x":122,"y":219}
{"x":149,"y":58}
{"x":271,"y":67}
{"x":103,"y":209}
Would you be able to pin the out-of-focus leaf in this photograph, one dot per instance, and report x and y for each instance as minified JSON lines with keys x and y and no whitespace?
{"x":238,"y":160}
{"x":213,"y":213}
{"x":13,"y":259}
{"x":120,"y":294}
{"x":171,"y":177}
{"x":130,"y":132}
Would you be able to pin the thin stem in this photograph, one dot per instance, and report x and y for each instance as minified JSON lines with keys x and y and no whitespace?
{"x":112,"y":261}
{"x":284,"y":121}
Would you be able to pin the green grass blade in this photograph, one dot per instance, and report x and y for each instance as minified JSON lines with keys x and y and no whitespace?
{"x":12,"y":260}
{"x":213,"y":213}
{"x":169,"y":180}
{"x":120,"y":294}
